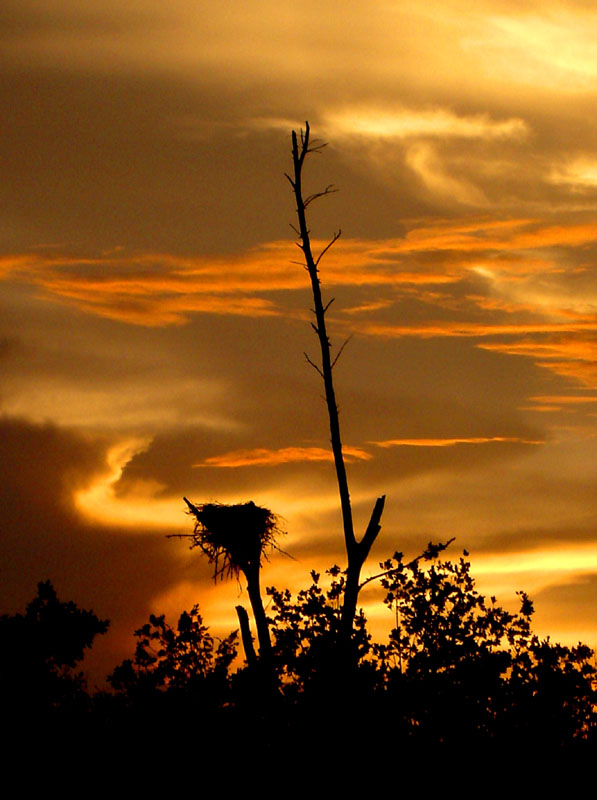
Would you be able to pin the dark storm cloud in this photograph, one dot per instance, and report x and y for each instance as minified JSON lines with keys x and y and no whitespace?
{"x":116,"y":571}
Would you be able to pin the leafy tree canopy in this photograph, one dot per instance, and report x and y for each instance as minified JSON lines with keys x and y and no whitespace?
{"x":185,"y":658}
{"x":40,"y":649}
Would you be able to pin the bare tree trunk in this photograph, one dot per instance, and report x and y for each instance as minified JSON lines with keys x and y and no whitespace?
{"x":356,"y":551}
{"x":245,"y":632}
{"x":253,"y":587}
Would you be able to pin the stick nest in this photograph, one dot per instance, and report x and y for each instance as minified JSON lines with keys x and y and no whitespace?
{"x":233,"y":537}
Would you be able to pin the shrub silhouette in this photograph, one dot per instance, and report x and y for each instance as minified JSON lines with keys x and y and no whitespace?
{"x":185,"y":659}
{"x":39,"y":651}
{"x":457,"y":670}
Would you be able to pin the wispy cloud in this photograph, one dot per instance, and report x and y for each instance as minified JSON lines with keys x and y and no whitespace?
{"x":164,"y":289}
{"x":418,"y":123}
{"x":262,"y":457}
{"x":473,"y":329}
{"x":453,"y":442}
{"x":571,"y":356}
{"x":567,"y":399}
{"x":553,"y":46}
{"x":581,"y":173}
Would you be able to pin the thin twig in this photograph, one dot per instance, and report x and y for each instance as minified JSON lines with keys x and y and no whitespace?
{"x":327,"y":247}
{"x":441,"y":547}
{"x":339,"y":353}
{"x":313,"y":364}
{"x":328,"y":190}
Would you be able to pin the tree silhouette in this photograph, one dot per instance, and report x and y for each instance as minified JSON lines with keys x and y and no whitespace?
{"x":466,"y":670}
{"x":357,"y":551}
{"x":181,"y":659}
{"x":39,"y":651}
{"x":236,"y":538}
{"x":458,"y":671}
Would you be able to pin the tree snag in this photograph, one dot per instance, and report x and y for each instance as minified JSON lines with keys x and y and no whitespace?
{"x":356,"y":551}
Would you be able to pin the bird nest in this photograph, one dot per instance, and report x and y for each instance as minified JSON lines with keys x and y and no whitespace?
{"x":233,"y":537}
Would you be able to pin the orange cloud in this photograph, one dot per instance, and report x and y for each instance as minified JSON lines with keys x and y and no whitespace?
{"x":452,"y":442}
{"x":571,"y":399}
{"x":481,"y":236}
{"x":473,"y":329}
{"x":268,"y":458}
{"x":165,"y":289}
{"x":572,"y":356}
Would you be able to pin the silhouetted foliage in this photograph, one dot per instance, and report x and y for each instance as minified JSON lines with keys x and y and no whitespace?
{"x":459,"y":668}
{"x":307,"y":633}
{"x":182,"y":659}
{"x":39,"y":651}
{"x":467,"y":668}
{"x":457,"y":671}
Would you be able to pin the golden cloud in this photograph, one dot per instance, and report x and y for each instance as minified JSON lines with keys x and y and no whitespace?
{"x":161,"y":288}
{"x":572,"y":356}
{"x":472,"y":329}
{"x":408,"y":122}
{"x":452,"y":442}
{"x":263,"y":457}
{"x":547,"y":48}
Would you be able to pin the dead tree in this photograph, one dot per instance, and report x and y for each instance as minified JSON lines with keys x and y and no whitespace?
{"x":236,"y":538}
{"x":356,"y":550}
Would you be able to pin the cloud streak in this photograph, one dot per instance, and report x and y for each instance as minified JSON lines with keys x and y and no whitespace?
{"x":262,"y":457}
{"x":162,"y":289}
{"x":453,"y":442}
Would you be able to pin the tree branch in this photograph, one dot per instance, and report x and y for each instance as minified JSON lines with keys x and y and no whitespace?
{"x":328,"y":190}
{"x":373,"y":527}
{"x":356,"y":552}
{"x":335,"y":238}
{"x":339,"y":353}
{"x":441,"y":546}
{"x":313,"y":364}
{"x":245,"y":632}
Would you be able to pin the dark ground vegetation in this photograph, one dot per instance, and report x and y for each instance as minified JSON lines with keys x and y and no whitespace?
{"x":457,"y":672}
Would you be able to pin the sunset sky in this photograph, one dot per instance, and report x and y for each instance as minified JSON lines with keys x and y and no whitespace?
{"x":153,"y":325}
